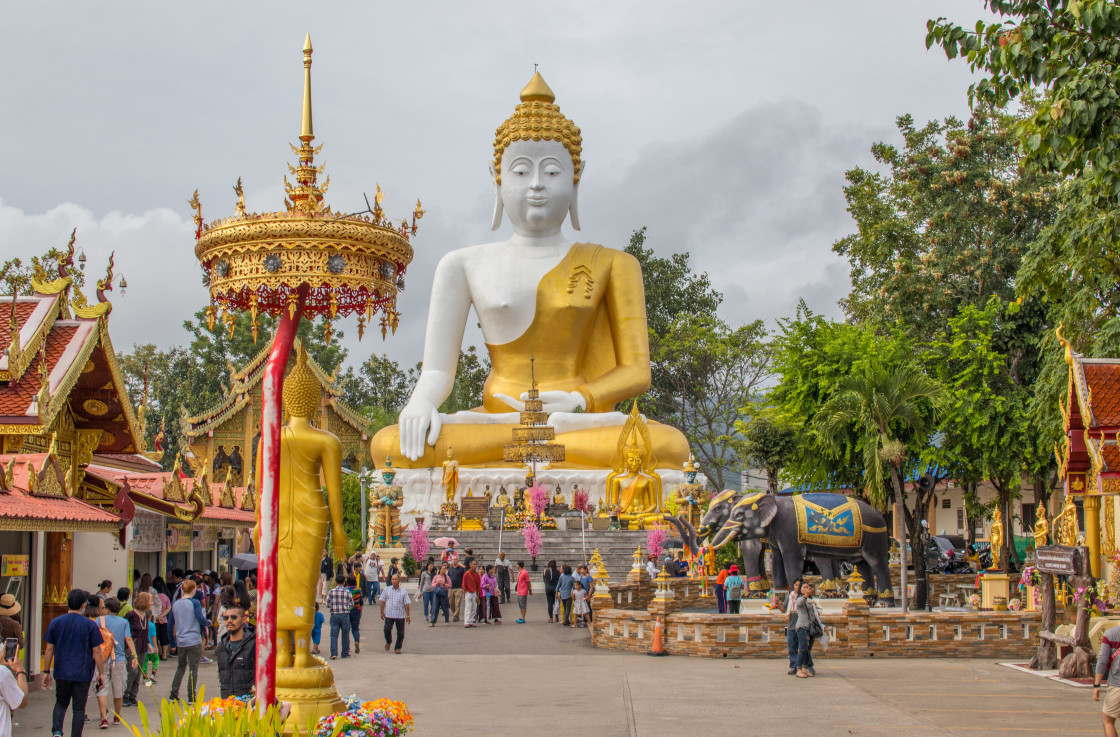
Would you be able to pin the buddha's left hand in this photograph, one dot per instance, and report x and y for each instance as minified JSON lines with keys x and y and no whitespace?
{"x":554,"y":401}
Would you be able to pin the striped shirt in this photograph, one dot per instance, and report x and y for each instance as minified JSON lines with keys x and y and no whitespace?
{"x":395,"y":601}
{"x":340,"y":600}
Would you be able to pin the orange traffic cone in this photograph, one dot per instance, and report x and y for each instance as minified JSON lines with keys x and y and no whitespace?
{"x":658,"y":646}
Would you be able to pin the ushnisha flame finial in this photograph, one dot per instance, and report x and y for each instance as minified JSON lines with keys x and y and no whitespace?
{"x":307,"y":131}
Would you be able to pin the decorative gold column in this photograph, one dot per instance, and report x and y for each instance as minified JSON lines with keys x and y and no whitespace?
{"x":1092,"y":504}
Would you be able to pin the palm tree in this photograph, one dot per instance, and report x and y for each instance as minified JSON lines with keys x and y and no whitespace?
{"x":880,"y":405}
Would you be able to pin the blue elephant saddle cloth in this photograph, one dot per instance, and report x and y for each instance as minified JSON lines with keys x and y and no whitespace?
{"x":828,"y":519}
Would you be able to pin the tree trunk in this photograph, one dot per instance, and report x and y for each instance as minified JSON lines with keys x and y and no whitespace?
{"x":772,"y":480}
{"x":896,"y":479}
{"x":1046,"y":657}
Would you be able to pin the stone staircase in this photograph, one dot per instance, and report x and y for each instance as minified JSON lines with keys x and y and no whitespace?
{"x":564,"y":546}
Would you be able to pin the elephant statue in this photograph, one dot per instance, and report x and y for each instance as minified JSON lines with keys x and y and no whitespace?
{"x":750,"y":549}
{"x":822,"y":526}
{"x":719,"y":511}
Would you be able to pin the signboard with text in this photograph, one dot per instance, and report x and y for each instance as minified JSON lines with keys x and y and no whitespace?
{"x":14,"y":565}
{"x":178,"y":538}
{"x":1055,"y":559}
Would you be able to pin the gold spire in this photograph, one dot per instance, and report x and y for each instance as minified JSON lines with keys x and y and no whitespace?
{"x":537,"y":90}
{"x":306,"y":131}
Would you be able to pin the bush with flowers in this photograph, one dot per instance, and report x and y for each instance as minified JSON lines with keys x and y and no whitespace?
{"x":206,"y":718}
{"x":381,"y":718}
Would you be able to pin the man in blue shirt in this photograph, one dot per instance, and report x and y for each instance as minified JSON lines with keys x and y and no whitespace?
{"x":74,"y":649}
{"x":188,"y":623}
{"x":564,"y":588}
{"x":588,"y":582}
{"x":124,"y":654}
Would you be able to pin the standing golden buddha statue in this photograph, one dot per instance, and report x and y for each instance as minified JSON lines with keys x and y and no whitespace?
{"x":385,"y":500}
{"x":996,"y":538}
{"x":450,"y":475}
{"x":303,"y":679}
{"x":1041,"y":528}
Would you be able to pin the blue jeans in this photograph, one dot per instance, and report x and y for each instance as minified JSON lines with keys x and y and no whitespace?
{"x":340,"y":622}
{"x":804,"y":648}
{"x":428,"y":598}
{"x":374,"y":590}
{"x":439,"y":602}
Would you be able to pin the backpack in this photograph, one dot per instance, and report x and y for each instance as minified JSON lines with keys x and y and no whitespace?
{"x":108,"y":642}
{"x":736,"y":591}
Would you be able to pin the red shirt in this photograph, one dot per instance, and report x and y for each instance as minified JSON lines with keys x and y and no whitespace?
{"x":523,"y":583}
{"x":472,"y":582}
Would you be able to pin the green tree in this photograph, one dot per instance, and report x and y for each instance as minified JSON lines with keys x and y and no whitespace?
{"x":768,"y":443}
{"x":1068,"y":49}
{"x":811,"y":356}
{"x":711,"y":370}
{"x":947,"y":223}
{"x":470,"y":377}
{"x":887,"y":405}
{"x":984,"y":428}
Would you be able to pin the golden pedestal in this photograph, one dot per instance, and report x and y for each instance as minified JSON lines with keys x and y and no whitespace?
{"x":310,"y":691}
{"x":993,"y":586}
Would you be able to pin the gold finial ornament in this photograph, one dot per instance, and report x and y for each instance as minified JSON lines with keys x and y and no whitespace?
{"x":301,"y":389}
{"x":306,"y":130}
{"x":538,"y":118}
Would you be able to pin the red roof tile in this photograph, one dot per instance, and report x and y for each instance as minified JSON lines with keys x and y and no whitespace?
{"x":16,"y":398}
{"x":1111,"y":455}
{"x":1103,"y":380}
{"x":23,"y":311}
{"x":19,"y":506}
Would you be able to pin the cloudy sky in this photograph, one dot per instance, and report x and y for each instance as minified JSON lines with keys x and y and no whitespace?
{"x":725,"y":127}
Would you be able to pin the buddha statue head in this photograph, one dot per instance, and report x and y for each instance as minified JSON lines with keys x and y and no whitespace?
{"x":301,"y":389}
{"x":537,"y":164}
{"x":634,"y":459}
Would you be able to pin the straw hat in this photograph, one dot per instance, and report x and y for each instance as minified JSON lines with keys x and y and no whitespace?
{"x":9,"y":605}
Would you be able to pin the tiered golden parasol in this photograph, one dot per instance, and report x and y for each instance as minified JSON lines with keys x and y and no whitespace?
{"x":531,"y":441}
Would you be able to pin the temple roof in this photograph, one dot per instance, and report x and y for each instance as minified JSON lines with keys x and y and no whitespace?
{"x":247,"y":379}
{"x":76,"y":358}
{"x":22,"y":508}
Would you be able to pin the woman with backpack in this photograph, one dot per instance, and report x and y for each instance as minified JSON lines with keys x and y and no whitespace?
{"x":809,"y":628}
{"x":733,"y":588}
{"x":791,"y":628}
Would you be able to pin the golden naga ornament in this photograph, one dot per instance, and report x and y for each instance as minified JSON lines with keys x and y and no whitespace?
{"x":256,"y":262}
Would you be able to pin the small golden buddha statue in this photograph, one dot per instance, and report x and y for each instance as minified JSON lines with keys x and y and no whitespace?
{"x":451,"y":475}
{"x":305,"y":452}
{"x":1064,"y":526}
{"x":996,"y":537}
{"x":385,"y":501}
{"x":559,"y":497}
{"x":503,"y":498}
{"x":1041,"y":528}
{"x":633,"y":485}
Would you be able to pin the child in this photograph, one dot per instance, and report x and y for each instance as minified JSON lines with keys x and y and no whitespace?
{"x":580,"y":608}
{"x":153,"y":655}
{"x":316,"y":630}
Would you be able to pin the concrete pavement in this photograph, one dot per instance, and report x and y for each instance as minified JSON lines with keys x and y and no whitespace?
{"x":516,"y":680}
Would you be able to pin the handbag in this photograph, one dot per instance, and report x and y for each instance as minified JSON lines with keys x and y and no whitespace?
{"x":816,"y":629}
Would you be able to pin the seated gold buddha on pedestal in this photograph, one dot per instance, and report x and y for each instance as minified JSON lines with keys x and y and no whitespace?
{"x":578,"y":309}
{"x":633,"y":487}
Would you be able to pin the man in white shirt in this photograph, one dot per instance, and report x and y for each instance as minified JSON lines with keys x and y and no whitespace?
{"x":372,"y":574}
{"x":394,"y":612}
{"x":13,"y":693}
{"x":651,"y":568}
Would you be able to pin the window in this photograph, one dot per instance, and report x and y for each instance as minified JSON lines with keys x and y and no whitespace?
{"x":1028,"y":515}
{"x":946,"y":503}
{"x":960,"y":518}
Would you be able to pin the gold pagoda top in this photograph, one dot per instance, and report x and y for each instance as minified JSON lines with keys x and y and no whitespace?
{"x":531,"y":441}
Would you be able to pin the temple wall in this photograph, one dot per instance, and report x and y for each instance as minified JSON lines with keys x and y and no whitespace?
{"x":853,"y":634}
{"x":99,"y":556}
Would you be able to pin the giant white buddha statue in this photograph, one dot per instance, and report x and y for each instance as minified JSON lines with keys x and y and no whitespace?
{"x":575,"y":311}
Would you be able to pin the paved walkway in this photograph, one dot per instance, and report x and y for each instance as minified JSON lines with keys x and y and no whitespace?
{"x":515,"y":679}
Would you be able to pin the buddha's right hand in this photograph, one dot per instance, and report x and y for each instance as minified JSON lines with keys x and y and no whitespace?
{"x":418,"y":418}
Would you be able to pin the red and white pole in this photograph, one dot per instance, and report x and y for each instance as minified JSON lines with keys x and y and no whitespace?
{"x":271,"y":415}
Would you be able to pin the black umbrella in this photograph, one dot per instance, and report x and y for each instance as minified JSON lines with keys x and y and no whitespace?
{"x":244,"y":562}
